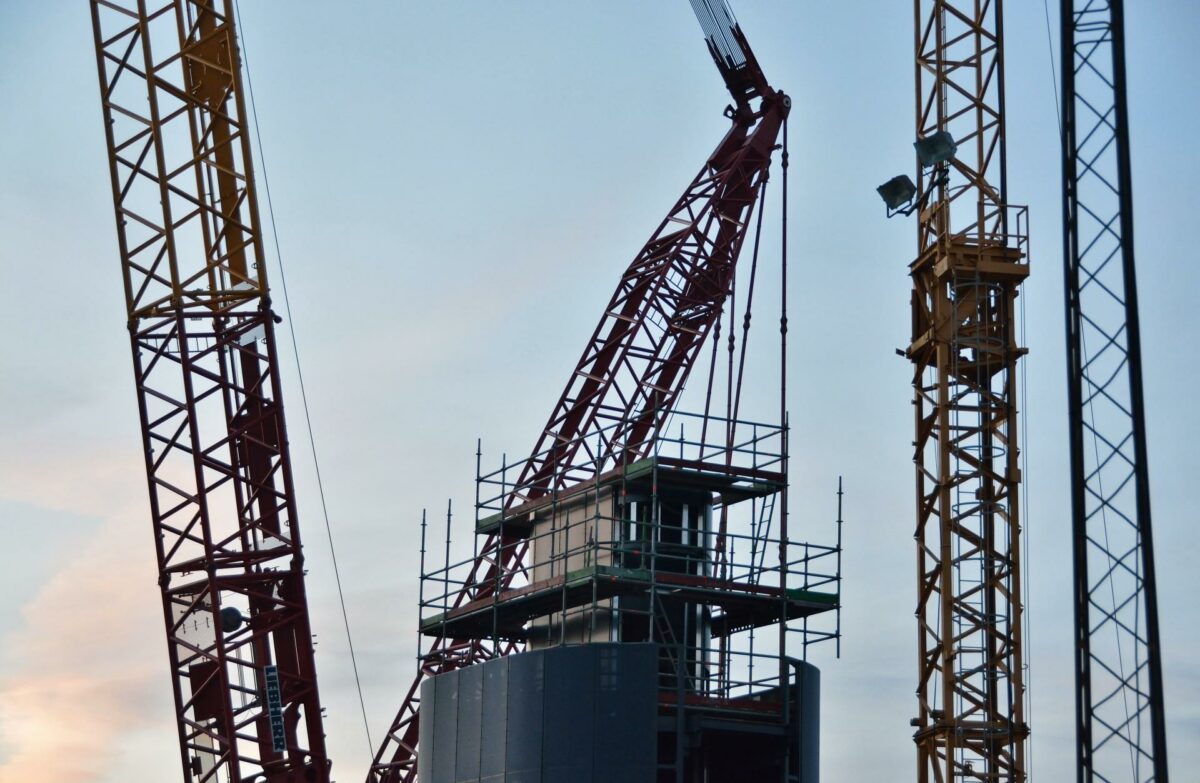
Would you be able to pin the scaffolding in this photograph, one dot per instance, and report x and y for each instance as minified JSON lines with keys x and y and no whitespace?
{"x":681,"y":548}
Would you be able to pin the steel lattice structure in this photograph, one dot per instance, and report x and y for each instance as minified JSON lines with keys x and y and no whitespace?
{"x":202,"y":334}
{"x":640,"y":354}
{"x":971,"y":261}
{"x":1119,"y":697}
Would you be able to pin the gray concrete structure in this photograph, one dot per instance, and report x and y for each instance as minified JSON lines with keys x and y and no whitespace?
{"x":575,"y":714}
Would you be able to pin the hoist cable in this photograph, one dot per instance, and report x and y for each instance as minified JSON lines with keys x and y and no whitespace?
{"x":303,"y":394}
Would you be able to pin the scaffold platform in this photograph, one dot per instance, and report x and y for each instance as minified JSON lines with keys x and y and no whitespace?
{"x":742,"y":605}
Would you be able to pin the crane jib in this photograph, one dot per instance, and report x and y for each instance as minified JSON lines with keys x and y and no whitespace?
{"x":717,"y":22}
{"x":221,"y":495}
{"x":636,"y":363}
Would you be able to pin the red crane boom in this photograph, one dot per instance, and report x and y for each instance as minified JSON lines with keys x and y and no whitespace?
{"x":201,"y":327}
{"x":637,"y":360}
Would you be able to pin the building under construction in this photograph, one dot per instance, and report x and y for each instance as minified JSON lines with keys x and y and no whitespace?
{"x":653,"y":601}
{"x":636,"y":607}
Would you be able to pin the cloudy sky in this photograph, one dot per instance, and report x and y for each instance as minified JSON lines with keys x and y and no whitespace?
{"x":457,"y":186}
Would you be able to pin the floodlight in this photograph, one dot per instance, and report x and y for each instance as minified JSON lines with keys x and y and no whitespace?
{"x":897,"y":193}
{"x":935,"y":149}
{"x":231,"y":619}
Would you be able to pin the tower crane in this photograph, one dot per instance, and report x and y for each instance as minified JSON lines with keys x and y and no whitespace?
{"x":201,"y":328}
{"x":640,"y":354}
{"x":972,"y":258}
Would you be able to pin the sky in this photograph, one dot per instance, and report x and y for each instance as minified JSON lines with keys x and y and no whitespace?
{"x":456,"y":188}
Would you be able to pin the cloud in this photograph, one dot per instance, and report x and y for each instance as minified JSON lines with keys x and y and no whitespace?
{"x":84,"y":669}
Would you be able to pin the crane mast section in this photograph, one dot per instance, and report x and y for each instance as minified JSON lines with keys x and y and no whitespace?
{"x":221,"y":492}
{"x":1120,"y":723}
{"x":972,"y":258}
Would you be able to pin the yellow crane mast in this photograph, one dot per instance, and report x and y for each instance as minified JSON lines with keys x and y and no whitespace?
{"x":971,"y":261}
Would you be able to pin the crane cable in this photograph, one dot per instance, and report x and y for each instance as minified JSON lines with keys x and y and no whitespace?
{"x":1023,"y":372}
{"x":303,"y":394}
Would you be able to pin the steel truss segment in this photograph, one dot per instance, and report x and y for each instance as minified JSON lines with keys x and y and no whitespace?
{"x":630,"y":372}
{"x":187,"y":210}
{"x":1120,"y":724}
{"x":203,"y":347}
{"x":633,"y":366}
{"x":972,"y":259}
{"x":960,"y":87}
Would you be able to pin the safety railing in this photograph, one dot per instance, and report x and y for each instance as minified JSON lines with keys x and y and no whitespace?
{"x":742,"y":447}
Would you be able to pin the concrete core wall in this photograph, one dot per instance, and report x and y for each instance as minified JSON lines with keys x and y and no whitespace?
{"x":577,"y":714}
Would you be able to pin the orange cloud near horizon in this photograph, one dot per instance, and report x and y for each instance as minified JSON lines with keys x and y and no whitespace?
{"x":84,"y":669}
